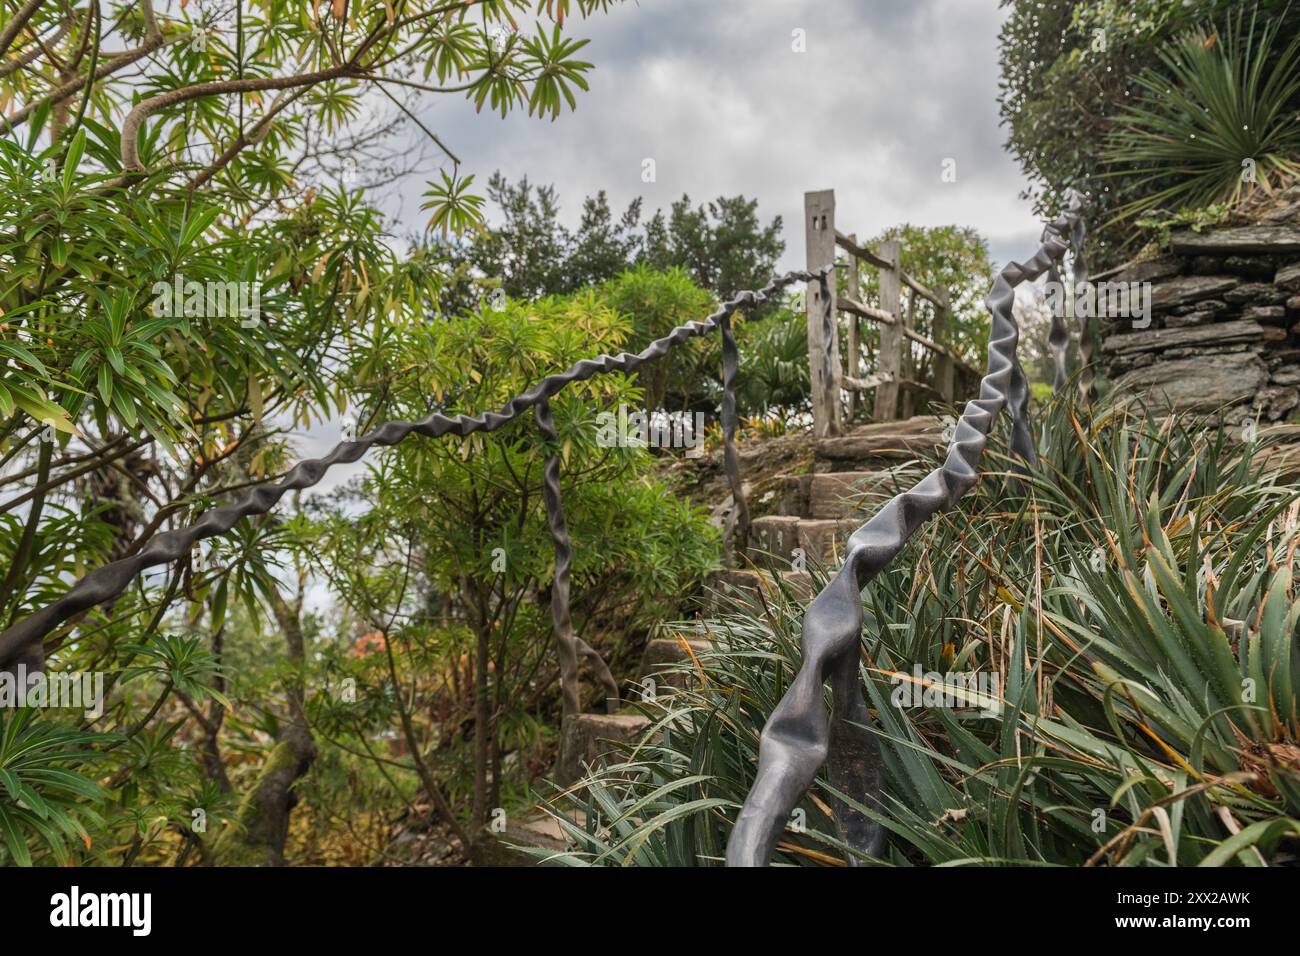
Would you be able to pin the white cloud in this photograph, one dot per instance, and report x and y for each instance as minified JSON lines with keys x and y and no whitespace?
{"x":713,"y":92}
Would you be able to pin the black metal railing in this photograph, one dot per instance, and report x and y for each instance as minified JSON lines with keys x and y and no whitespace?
{"x":23,"y":641}
{"x":800,"y":736}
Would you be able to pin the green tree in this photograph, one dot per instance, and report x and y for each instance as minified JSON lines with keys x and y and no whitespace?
{"x":1068,"y":72}
{"x":723,"y":246}
{"x":179,"y":287}
{"x":656,"y":303}
{"x":455,"y":544}
{"x":955,"y":257}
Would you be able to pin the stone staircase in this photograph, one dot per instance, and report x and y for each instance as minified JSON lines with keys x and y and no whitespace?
{"x":818,"y":511}
{"x":815,"y":514}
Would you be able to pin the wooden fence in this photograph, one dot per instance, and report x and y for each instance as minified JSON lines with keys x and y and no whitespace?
{"x":907,"y":368}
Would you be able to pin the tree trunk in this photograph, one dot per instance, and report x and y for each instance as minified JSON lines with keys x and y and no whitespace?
{"x":262,"y":822}
{"x":482,"y":730}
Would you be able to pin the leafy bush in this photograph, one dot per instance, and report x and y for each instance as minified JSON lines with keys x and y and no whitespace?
{"x":955,"y":257}
{"x":443,"y":551}
{"x":1069,"y":69}
{"x":654,"y":303}
{"x":47,"y":796}
{"x":773,"y":364}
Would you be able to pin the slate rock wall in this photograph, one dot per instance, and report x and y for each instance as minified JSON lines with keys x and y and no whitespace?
{"x":1225,"y":329}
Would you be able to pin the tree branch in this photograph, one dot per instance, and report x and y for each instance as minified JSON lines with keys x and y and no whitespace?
{"x":111,"y":65}
{"x":25,"y":57}
{"x":145,"y":108}
{"x":416,"y":120}
{"x":15,"y":26}
{"x":243,"y":140}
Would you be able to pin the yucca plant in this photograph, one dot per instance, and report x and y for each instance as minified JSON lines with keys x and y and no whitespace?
{"x":1217,"y":115}
{"x":671,"y":802}
{"x":1137,"y":606}
{"x":1133,"y":596}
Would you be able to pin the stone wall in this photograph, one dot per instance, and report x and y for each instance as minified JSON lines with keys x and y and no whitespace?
{"x":1225,"y":329}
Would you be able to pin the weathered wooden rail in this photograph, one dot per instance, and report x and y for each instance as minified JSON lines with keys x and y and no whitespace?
{"x":899,"y":390}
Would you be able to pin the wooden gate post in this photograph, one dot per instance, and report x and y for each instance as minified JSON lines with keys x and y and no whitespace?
{"x":823,"y":355}
{"x":945,"y":371}
{"x":892,"y":339}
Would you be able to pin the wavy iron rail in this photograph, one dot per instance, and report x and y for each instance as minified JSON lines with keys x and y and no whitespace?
{"x":799,"y":736}
{"x":21,"y":640}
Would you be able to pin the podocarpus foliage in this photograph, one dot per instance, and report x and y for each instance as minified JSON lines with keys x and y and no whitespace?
{"x":143,"y":148}
{"x":452,"y":560}
{"x":1135,"y":597}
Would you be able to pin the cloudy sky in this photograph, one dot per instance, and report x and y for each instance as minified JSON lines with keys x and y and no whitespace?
{"x":715,"y":93}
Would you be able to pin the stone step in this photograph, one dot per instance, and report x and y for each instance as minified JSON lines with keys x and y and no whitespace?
{"x":590,"y":738}
{"x":835,"y":494}
{"x":777,"y":540}
{"x":660,"y":666}
{"x":882,"y":443}
{"x":503,"y":845}
{"x":748,"y":586}
{"x":772,"y":539}
{"x":839,"y":494}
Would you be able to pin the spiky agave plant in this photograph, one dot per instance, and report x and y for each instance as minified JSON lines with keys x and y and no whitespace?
{"x":1134,"y":600}
{"x":1215,"y":116}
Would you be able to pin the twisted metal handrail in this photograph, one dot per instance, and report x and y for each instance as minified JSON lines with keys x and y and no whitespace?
{"x":20,"y":640}
{"x":1087,"y":344}
{"x":1058,"y":339}
{"x":569,"y":645}
{"x":799,"y":736}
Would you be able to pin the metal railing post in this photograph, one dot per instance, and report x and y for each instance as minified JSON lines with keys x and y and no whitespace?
{"x":798,"y":735}
{"x":1087,"y":344}
{"x":736,"y":537}
{"x":568,"y":645}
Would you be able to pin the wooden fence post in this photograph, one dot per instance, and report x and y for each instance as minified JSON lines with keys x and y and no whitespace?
{"x":823,"y":355}
{"x":945,"y":371}
{"x":907,"y":396}
{"x":855,"y":342}
{"x":892,"y":339}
